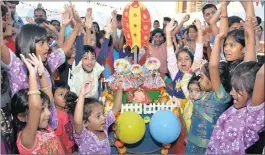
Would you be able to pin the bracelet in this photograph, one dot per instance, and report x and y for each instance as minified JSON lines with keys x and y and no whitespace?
{"x":223,"y":16}
{"x":34,"y":92}
{"x":44,"y":88}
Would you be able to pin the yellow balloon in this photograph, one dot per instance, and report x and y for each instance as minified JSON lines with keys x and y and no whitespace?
{"x":130,"y":127}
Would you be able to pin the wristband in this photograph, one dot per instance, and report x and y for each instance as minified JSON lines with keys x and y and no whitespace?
{"x":34,"y":92}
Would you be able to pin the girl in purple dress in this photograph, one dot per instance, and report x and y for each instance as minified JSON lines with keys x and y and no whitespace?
{"x":33,"y":39}
{"x":237,"y":128}
{"x":91,"y":124}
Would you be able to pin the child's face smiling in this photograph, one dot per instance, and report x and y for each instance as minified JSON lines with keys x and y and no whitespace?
{"x":233,"y":50}
{"x":184,"y":62}
{"x":240,"y":98}
{"x":96,"y":120}
{"x":88,"y":61}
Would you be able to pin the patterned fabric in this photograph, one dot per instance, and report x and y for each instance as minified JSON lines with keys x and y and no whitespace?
{"x":45,"y":143}
{"x":205,"y":113}
{"x":88,"y":142}
{"x":18,"y":76}
{"x":177,"y":90}
{"x":229,"y":137}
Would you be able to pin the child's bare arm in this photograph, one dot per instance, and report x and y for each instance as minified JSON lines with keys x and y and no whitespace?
{"x":258,"y":92}
{"x":180,"y":25}
{"x":250,"y":40}
{"x":78,"y":115}
{"x":28,"y":135}
{"x":118,"y":101}
{"x":214,"y":62}
{"x":88,"y":25}
{"x":213,"y":22}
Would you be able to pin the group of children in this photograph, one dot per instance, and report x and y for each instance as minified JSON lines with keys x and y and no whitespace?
{"x":222,"y":102}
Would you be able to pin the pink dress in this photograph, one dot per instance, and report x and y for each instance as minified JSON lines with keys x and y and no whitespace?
{"x":236,"y":130}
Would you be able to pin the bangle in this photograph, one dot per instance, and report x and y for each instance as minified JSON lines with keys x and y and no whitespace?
{"x":44,"y":88}
{"x":223,"y":16}
{"x":34,"y":92}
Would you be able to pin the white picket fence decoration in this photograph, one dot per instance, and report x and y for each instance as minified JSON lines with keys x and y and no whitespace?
{"x":151,"y":108}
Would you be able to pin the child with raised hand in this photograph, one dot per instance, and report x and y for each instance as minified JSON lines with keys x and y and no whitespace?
{"x":237,"y":128}
{"x":33,"y":39}
{"x":91,"y":124}
{"x":180,"y":64}
{"x":30,"y":110}
{"x":214,"y":81}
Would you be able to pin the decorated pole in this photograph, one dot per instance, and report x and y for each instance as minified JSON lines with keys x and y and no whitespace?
{"x":136,"y":25}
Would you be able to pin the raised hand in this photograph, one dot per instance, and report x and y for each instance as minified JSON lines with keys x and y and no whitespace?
{"x":198,"y":25}
{"x":248,"y":26}
{"x":50,"y":27}
{"x":185,"y":18}
{"x":30,"y":67}
{"x":170,"y":26}
{"x":87,"y":87}
{"x":221,"y":35}
{"x":89,"y":20}
{"x":37,"y":63}
{"x":66,"y":16}
{"x":76,"y":15}
{"x":30,"y":20}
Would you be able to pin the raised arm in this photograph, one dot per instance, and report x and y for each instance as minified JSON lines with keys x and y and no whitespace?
{"x":88,"y":25}
{"x":250,"y":40}
{"x":28,"y":135}
{"x":180,"y":25}
{"x":171,"y":57}
{"x":199,"y":45}
{"x":69,"y":42}
{"x":213,"y":22}
{"x":258,"y":92}
{"x":78,"y":115}
{"x":214,"y":62}
{"x":118,"y":100}
{"x":66,"y":19}
{"x":114,"y":25}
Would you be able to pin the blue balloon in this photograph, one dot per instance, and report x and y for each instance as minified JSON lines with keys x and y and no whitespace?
{"x":165,"y":127}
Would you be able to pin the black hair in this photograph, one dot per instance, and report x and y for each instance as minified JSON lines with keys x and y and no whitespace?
{"x":12,"y":2}
{"x":156,"y":21}
{"x":192,"y":27}
{"x":88,"y":107}
{"x":96,"y":25}
{"x":26,"y":40}
{"x":119,"y":17}
{"x":167,"y":19}
{"x":19,"y":104}
{"x":54,"y":20}
{"x":39,"y":21}
{"x":223,"y":72}
{"x":238,"y":35}
{"x":233,"y":19}
{"x":207,"y":6}
{"x":258,"y":20}
{"x":59,"y":84}
{"x":40,"y":9}
{"x":71,"y":100}
{"x":244,"y":76}
{"x":194,"y":80}
{"x":4,"y":10}
{"x":89,"y":49}
{"x":184,"y":50}
{"x":261,"y":28}
{"x":5,"y":83}
{"x":158,"y":30}
{"x":99,"y":36}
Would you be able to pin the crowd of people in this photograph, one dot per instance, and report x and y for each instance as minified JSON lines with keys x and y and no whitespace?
{"x":51,"y":75}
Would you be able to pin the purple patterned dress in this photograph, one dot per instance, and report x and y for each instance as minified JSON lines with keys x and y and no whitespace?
{"x":236,"y":130}
{"x":88,"y":142}
{"x":18,"y":76}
